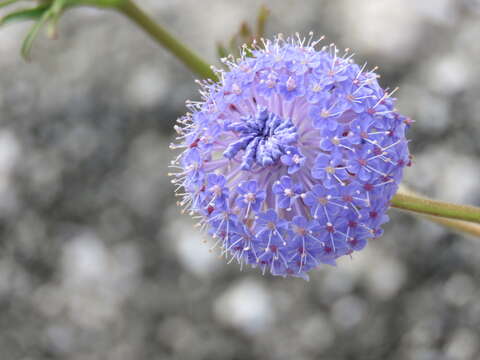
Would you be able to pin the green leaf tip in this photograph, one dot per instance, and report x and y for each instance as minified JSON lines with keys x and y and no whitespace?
{"x":48,"y":13}
{"x":246,"y":34}
{"x":24,"y":15}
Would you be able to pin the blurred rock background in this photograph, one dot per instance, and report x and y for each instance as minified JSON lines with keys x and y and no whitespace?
{"x":97,"y":263}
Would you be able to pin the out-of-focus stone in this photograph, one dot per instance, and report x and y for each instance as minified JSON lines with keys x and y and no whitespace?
{"x":247,"y":306}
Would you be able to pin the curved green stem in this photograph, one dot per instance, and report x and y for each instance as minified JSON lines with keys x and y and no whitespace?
{"x":164,"y":38}
{"x":422,"y":205}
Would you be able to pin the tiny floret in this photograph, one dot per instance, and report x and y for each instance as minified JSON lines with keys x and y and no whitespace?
{"x":291,"y":159}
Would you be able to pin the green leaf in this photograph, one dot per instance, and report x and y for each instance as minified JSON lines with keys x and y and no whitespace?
{"x":221,"y":50}
{"x":32,"y":34}
{"x":7,"y":2}
{"x":99,"y":3}
{"x":245,"y":31}
{"x":48,"y":12}
{"x":25,"y":14}
{"x":263,"y":15}
{"x":245,"y":35}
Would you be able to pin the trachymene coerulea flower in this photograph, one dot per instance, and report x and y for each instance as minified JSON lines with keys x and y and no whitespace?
{"x":291,"y":159}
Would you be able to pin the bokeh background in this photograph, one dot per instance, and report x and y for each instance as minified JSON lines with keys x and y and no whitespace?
{"x":96,"y":261}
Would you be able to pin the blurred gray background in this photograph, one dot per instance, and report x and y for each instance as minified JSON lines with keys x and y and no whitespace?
{"x":97,"y":263}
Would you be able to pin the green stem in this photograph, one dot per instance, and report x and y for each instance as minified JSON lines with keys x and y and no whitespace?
{"x":443,"y":209}
{"x":164,"y":38}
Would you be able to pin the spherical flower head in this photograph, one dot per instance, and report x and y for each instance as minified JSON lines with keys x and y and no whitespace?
{"x":291,"y":159}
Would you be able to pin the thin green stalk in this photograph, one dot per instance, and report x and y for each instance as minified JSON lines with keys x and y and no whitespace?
{"x":164,"y":38}
{"x":411,"y":202}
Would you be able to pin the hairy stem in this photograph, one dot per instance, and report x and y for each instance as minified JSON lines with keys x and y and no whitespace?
{"x":167,"y":40}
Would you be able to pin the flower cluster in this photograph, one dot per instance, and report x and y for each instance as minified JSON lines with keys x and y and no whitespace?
{"x":290,"y":160}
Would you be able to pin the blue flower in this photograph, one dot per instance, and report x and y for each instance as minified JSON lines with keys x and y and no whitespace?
{"x":330,"y":169}
{"x":323,"y":201}
{"x":249,"y":196}
{"x":291,"y":160}
{"x":291,"y":86}
{"x":287,"y":192}
{"x":270,"y":228}
{"x":217,"y":192}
